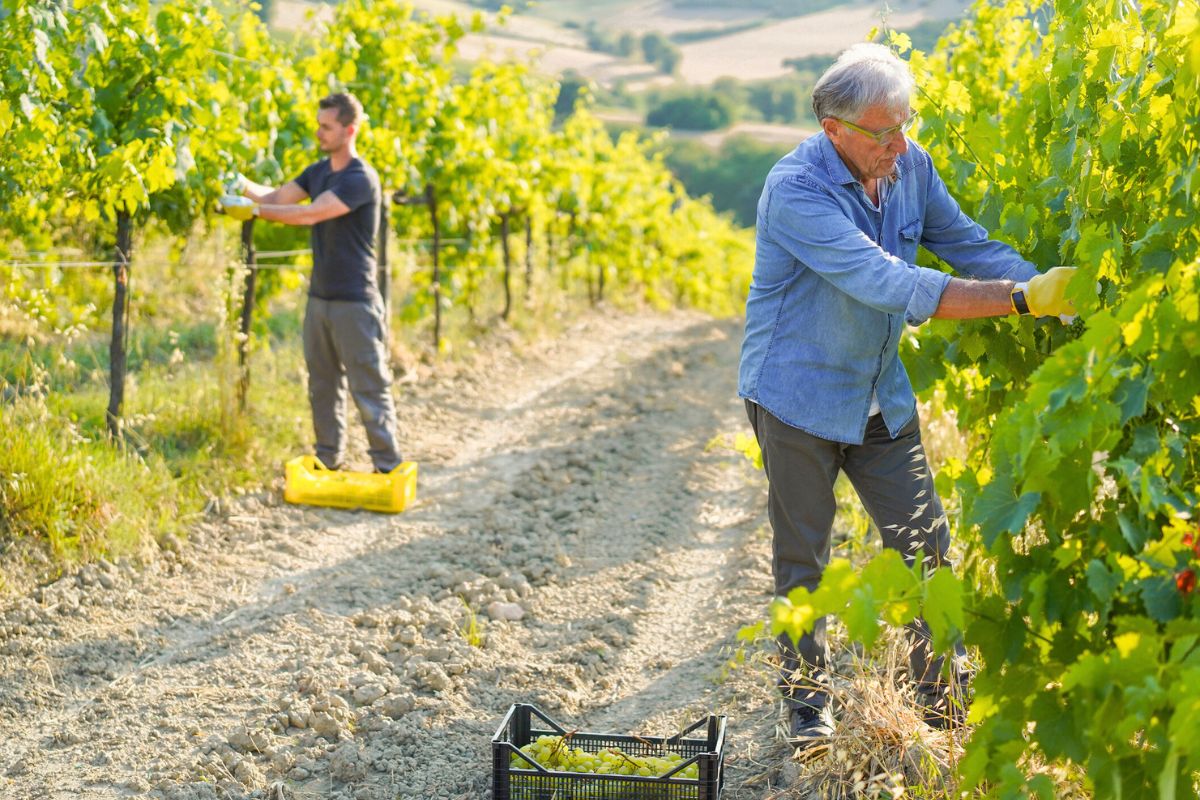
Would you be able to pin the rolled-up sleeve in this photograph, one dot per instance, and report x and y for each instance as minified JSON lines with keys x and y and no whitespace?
{"x":926,"y":296}
{"x":804,"y":219}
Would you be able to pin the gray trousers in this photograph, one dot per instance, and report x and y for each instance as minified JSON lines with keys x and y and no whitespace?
{"x":345,"y":345}
{"x":893,"y":480}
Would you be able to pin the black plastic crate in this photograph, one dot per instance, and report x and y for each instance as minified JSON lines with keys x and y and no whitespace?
{"x":540,"y":783}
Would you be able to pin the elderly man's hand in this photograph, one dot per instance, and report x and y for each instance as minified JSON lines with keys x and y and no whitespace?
{"x":240,"y":208}
{"x":1044,"y":295}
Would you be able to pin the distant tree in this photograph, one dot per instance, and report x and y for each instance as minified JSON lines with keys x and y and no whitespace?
{"x":785,"y":100}
{"x":727,"y":86}
{"x":778,"y":101}
{"x":653,"y":45}
{"x":598,"y":39}
{"x":810,"y":64}
{"x":731,"y":176}
{"x":732,"y":91}
{"x":668,"y":60}
{"x":627,"y":44}
{"x":693,"y":111}
{"x":570,"y":86}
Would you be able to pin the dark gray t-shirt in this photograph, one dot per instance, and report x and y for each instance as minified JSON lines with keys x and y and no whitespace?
{"x":344,"y":247}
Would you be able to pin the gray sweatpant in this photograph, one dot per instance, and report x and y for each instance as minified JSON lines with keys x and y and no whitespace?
{"x":894,"y":482}
{"x":345,"y":345}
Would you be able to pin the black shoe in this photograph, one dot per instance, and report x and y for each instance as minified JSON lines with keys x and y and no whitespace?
{"x":809,"y":728}
{"x":322,"y":466}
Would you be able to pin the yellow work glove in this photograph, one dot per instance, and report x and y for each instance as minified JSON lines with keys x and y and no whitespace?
{"x":1044,"y":295}
{"x":240,"y":208}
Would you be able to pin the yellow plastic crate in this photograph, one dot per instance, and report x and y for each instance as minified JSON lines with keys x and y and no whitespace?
{"x":310,"y":485}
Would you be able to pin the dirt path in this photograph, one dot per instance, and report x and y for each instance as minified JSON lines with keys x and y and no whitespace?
{"x":302,"y":653}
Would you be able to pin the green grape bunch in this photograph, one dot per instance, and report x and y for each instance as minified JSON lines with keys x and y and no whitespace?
{"x":556,"y":753}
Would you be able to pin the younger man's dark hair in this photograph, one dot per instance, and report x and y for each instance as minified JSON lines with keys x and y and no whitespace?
{"x":349,"y":110}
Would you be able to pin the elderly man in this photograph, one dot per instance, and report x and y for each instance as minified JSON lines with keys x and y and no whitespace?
{"x":835,"y":281}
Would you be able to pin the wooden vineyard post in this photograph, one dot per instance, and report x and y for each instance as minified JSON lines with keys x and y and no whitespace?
{"x":384,"y":274}
{"x":118,"y":346}
{"x":528,"y":258}
{"x":507,"y":265}
{"x":431,"y":200}
{"x":249,"y":289}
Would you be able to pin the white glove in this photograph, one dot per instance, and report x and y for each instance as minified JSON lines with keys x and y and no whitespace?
{"x":236,"y":184}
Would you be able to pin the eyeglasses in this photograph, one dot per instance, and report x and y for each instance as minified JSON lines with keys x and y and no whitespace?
{"x":886,"y":135}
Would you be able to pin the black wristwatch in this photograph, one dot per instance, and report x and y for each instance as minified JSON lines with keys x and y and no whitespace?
{"x":1019,"y":304}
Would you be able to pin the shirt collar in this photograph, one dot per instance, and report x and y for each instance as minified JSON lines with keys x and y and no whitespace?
{"x":837,"y":170}
{"x":834,"y":166}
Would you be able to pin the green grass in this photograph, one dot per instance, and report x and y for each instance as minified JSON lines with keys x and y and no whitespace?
{"x":471,"y":629}
{"x":83,"y":496}
{"x":62,"y":480}
{"x":67,"y":488}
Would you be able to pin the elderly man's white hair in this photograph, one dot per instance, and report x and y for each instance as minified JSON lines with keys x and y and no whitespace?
{"x":864,"y":75}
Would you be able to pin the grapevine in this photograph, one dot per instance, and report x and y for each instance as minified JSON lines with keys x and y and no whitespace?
{"x":135,"y":116}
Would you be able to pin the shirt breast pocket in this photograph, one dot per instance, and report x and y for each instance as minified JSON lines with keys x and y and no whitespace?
{"x":910,"y":238}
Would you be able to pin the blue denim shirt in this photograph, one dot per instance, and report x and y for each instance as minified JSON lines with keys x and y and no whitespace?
{"x":835,"y":280}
